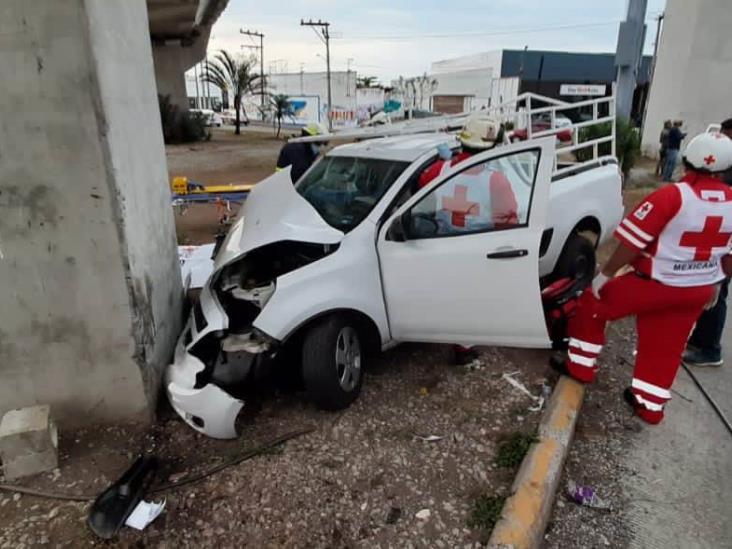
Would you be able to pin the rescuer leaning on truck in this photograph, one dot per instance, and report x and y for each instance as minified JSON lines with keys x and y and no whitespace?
{"x":676,"y":242}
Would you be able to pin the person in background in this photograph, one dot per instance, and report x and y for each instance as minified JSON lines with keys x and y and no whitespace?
{"x":663,"y":140}
{"x":704,"y":347}
{"x":302,"y":155}
{"x":675,"y":137}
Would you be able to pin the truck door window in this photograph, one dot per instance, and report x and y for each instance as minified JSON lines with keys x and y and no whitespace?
{"x":493,"y":195}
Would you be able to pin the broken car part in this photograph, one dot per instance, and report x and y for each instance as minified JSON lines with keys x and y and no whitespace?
{"x":110,"y":510}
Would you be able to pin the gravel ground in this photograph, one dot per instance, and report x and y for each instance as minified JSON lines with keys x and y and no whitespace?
{"x":604,"y":429}
{"x":361,"y":479}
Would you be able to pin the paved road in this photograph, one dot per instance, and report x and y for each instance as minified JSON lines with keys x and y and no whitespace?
{"x":682,"y":494}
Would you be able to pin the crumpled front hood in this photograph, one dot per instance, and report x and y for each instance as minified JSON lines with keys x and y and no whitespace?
{"x":273,"y":212}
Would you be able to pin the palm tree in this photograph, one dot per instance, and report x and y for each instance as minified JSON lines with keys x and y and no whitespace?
{"x":281,"y":107}
{"x":366,"y":82}
{"x":235,"y":77}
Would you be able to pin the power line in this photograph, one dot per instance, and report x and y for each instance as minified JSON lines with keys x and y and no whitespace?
{"x":396,"y":37}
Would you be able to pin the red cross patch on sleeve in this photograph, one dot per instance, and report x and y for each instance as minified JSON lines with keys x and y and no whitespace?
{"x":641,"y":227}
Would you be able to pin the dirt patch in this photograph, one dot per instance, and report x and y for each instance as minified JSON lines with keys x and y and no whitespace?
{"x":226,"y":158}
{"x":360,"y":479}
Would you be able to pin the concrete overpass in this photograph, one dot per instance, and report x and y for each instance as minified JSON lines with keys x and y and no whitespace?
{"x":179,"y":31}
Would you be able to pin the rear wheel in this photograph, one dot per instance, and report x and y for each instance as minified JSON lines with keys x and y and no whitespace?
{"x":332,"y":362}
{"x":577,"y":260}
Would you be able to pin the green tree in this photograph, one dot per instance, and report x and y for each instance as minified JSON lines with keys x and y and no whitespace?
{"x":367,"y":82}
{"x":281,"y":107}
{"x":235,"y":76}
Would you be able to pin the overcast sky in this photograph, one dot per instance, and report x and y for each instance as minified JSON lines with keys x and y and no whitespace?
{"x":388,"y":38}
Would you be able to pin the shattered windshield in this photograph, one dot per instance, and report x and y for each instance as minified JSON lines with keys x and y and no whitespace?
{"x":344,"y":190}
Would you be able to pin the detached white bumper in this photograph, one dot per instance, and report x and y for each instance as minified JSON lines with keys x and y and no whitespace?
{"x":209,"y":410}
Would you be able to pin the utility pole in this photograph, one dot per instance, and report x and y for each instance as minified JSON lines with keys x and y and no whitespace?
{"x":348,"y":76}
{"x":208,"y":89}
{"x":195,"y":79}
{"x":261,"y":60}
{"x":324,"y":35}
{"x":659,"y":19}
{"x":631,"y":36}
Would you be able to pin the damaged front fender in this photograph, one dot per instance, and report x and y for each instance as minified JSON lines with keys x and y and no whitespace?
{"x":209,"y":409}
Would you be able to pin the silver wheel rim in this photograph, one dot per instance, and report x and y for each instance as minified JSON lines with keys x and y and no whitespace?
{"x":348,"y":358}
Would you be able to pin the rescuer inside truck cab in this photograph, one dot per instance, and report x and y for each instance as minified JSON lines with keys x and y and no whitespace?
{"x":481,"y":133}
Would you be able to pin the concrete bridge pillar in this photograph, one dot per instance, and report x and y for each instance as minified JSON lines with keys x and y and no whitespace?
{"x":90,"y":290}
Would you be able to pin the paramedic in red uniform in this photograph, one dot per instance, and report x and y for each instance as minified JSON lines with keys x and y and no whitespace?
{"x":481,"y":133}
{"x":674,"y":242}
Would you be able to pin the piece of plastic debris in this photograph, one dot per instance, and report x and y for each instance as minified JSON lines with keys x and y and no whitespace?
{"x":393,"y":515}
{"x":475,"y":364}
{"x":423,"y":391}
{"x":585,"y":495}
{"x":144,"y":514}
{"x":424,"y":514}
{"x":521,"y":387}
{"x":429,"y":438}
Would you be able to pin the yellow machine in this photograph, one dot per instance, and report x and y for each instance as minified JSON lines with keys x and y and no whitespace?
{"x":181,"y":186}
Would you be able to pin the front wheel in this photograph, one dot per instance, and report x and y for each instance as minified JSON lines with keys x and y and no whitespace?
{"x":577,"y":260}
{"x":332,"y":363}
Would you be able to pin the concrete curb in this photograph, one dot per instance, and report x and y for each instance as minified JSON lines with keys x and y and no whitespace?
{"x":526,"y":512}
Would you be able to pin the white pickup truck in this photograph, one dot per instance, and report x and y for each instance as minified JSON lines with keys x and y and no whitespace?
{"x":356,"y":258}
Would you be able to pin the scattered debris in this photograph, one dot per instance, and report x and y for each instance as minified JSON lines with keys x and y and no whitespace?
{"x":521,"y":387}
{"x":585,"y":495}
{"x":424,"y":514}
{"x":144,"y":514}
{"x":113,"y":506}
{"x":429,"y":438}
{"x":474,"y":365}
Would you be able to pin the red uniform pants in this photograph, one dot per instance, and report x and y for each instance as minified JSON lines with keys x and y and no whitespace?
{"x":665,"y":316}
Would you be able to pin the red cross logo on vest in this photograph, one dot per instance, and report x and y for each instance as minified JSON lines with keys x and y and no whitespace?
{"x":459,"y":205}
{"x":707,"y":239}
{"x":710,"y":160}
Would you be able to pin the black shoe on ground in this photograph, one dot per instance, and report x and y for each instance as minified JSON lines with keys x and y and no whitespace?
{"x":629,"y":397}
{"x":558,"y":362}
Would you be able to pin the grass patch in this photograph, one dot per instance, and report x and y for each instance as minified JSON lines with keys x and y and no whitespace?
{"x":512,"y":450}
{"x":485,"y":513}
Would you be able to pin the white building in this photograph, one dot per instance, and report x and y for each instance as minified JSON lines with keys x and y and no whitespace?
{"x":308,"y":92}
{"x":693,"y":75}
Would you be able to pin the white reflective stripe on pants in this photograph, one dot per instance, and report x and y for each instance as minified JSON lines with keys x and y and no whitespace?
{"x":652,"y":406}
{"x":586,"y":346}
{"x":581,"y":360}
{"x":654,"y":390}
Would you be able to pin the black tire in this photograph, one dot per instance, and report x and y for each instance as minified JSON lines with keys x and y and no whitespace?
{"x":331,"y":372}
{"x":577,"y":260}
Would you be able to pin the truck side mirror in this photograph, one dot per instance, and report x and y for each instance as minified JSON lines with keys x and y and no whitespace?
{"x":398,"y":229}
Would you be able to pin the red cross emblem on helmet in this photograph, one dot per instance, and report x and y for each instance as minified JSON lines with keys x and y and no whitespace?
{"x":709,"y":160}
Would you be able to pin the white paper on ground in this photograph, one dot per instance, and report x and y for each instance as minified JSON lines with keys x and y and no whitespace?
{"x":196,"y":261}
{"x":144,"y":514}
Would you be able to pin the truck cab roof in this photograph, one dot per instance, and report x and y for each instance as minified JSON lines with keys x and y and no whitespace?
{"x":405,"y":148}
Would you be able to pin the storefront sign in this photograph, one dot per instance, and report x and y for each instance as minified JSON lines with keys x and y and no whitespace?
{"x":582,"y":89}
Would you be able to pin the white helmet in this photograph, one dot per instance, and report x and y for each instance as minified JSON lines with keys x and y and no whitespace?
{"x":709,"y":152}
{"x":480,"y":132}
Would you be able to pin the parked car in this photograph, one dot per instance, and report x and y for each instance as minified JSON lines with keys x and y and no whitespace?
{"x":212,"y":118}
{"x":355,"y":259}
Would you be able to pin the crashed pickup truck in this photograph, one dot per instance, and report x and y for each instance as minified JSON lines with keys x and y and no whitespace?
{"x":356,"y":258}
